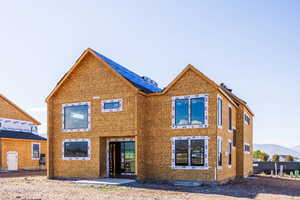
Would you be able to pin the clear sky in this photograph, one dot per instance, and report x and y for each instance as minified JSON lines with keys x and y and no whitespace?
{"x":252,"y":46}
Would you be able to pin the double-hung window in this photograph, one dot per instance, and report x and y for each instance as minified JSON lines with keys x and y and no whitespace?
{"x":190,"y":152}
{"x":76,"y":149}
{"x":76,"y":117}
{"x":190,"y":111}
{"x":219,"y":152}
{"x":219,"y":102}
{"x":36,"y":151}
{"x":229,"y":118}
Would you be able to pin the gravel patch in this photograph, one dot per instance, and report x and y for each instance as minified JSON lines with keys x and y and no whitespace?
{"x":40,"y":188}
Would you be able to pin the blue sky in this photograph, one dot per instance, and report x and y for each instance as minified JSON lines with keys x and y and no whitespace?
{"x":252,"y":46}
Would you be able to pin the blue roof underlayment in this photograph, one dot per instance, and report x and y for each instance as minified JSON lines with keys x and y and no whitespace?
{"x":132,"y":77}
{"x":20,"y":135}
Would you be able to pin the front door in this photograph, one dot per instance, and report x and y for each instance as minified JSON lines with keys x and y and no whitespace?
{"x":121,"y":158}
{"x":12,"y":160}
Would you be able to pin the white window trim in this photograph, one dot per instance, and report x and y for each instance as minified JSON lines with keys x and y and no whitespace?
{"x":245,"y":114}
{"x":229,"y":141}
{"x":218,"y":124}
{"x":107,"y":152}
{"x":32,"y":150}
{"x":230,"y":131}
{"x":219,"y":138}
{"x":75,"y":129}
{"x":247,"y":152}
{"x":205,"y":125}
{"x":112,"y":101}
{"x":189,"y":138}
{"x":76,"y":140}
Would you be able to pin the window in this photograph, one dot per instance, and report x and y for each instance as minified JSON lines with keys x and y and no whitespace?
{"x":190,"y":152}
{"x":182,"y":112}
{"x":197,"y":152}
{"x":190,"y":111}
{"x":219,"y":150}
{"x":181,"y":153}
{"x":247,"y":119}
{"x":76,"y":117}
{"x":247,"y":148}
{"x":230,"y":118}
{"x":76,"y":149}
{"x":234,"y":137}
{"x":229,"y":153}
{"x":36,"y":151}
{"x":113,"y":105}
{"x":220,"y":112}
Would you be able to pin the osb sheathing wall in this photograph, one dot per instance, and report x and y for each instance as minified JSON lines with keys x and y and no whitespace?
{"x":9,"y":111}
{"x":159,"y":132}
{"x":244,"y":135}
{"x":90,"y":82}
{"x":24,"y":149}
{"x":227,"y":172}
{"x":146,"y":118}
{"x":248,"y":138}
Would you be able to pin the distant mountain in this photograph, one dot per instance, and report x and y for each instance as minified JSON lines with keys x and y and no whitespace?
{"x":297,"y":148}
{"x":272,"y":149}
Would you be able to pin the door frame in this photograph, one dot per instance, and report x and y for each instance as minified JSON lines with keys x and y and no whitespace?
{"x":17,"y":155}
{"x":129,"y":139}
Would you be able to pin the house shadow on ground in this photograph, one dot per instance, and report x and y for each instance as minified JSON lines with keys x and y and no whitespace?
{"x":243,"y":188}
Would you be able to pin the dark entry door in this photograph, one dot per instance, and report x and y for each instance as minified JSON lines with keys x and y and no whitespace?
{"x":121,"y":158}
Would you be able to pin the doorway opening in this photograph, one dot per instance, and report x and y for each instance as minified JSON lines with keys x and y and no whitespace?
{"x":121,"y":159}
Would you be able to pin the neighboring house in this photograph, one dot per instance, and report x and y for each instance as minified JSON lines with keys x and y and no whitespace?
{"x":20,"y":146}
{"x":106,"y":121}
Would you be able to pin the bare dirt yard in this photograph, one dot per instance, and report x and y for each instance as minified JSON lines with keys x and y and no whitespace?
{"x":39,"y":188}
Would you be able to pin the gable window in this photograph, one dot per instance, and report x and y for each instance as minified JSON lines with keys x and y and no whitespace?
{"x":247,"y":148}
{"x":36,"y":148}
{"x":219,"y":102}
{"x":113,"y":105}
{"x":76,"y":117}
{"x":229,"y":153}
{"x":219,"y":151}
{"x":190,"y":111}
{"x":230,"y":118}
{"x":76,"y":149}
{"x":190,"y":152}
{"x":247,"y":119}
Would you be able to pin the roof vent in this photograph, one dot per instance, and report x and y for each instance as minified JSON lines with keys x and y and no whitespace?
{"x":224,"y":86}
{"x":150,"y":81}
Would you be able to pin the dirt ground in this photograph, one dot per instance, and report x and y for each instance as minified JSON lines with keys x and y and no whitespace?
{"x":22,"y":173}
{"x":39,"y":188}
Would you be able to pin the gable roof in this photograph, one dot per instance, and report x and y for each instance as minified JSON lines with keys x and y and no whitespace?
{"x":134,"y":80}
{"x":183,"y":72}
{"x":235,"y":98}
{"x":20,"y":135}
{"x":19,"y":109}
{"x":139,"y":83}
